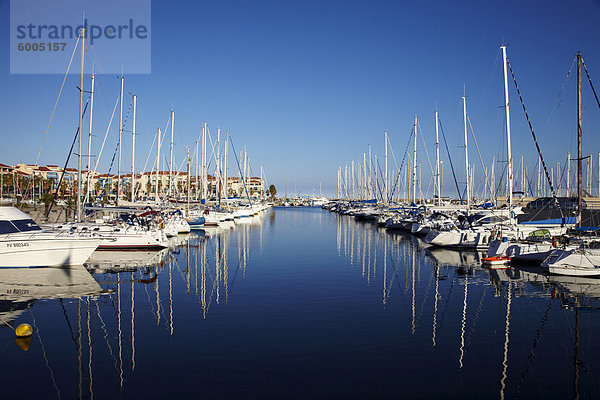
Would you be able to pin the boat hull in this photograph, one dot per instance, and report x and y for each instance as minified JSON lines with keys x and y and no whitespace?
{"x":31,"y":251}
{"x":573,"y":262}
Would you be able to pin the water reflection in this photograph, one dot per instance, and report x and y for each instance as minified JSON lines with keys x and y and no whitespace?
{"x":228,"y":307}
{"x":415,"y":267}
{"x":21,"y":287}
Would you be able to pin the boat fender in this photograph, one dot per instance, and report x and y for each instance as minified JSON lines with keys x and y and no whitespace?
{"x":554,"y":241}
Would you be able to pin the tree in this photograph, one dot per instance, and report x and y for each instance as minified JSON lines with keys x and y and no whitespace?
{"x":47,"y":199}
{"x":272,"y":191}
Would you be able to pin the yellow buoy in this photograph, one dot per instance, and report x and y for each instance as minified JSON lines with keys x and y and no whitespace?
{"x":24,"y":330}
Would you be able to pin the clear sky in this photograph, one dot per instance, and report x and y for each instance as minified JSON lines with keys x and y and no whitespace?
{"x":307,"y":86}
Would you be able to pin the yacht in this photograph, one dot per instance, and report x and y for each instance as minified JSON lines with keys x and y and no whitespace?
{"x":24,"y":244}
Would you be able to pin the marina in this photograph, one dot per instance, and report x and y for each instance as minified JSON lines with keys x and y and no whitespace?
{"x":315,"y":200}
{"x":252,"y":312}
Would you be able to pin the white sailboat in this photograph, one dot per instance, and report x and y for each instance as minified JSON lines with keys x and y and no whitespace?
{"x":582,"y":259}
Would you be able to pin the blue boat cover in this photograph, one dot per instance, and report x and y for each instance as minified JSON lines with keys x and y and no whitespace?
{"x":565,"y":220}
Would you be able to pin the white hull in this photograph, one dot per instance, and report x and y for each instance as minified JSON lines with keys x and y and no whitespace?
{"x":45,"y":249}
{"x":574,"y":262}
{"x":534,"y":252}
{"x":134,"y":240}
{"x":113,"y":237}
{"x":474,"y":239}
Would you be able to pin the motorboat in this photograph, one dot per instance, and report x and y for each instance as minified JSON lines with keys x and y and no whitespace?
{"x":24,"y":244}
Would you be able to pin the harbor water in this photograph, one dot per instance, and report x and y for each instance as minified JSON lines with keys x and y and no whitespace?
{"x":298,"y":303}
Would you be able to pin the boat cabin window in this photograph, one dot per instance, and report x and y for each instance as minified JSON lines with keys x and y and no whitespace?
{"x":539,"y":234}
{"x":492,"y":219}
{"x":7,"y":227}
{"x":26,"y":225}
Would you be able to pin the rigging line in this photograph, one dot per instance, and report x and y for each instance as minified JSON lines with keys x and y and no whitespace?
{"x":537,"y":146}
{"x":418,"y":317}
{"x":37,"y":329}
{"x":391,"y":258}
{"x":445,"y":308}
{"x":428,"y":160}
{"x":532,"y":351}
{"x":590,"y":80}
{"x":240,"y":169}
{"x":536,"y":143}
{"x":403,"y":159}
{"x":377,"y":180}
{"x":479,"y":153}
{"x":150,"y":152}
{"x":159,"y":143}
{"x":106,"y":135}
{"x":103,"y":326}
{"x":560,"y":95}
{"x":64,"y":169}
{"x":212,"y":151}
{"x":56,"y":103}
{"x":73,"y":338}
{"x":450,"y":159}
{"x":500,"y":181}
{"x":392,"y":150}
{"x":487,"y":89}
{"x":108,"y":173}
{"x":476,"y":318}
{"x":529,"y":183}
{"x":425,"y":147}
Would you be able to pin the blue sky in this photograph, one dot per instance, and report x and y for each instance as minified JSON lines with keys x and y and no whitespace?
{"x":307,"y":86}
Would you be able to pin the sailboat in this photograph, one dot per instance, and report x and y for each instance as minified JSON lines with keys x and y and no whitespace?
{"x":583,"y":258}
{"x":121,"y":234}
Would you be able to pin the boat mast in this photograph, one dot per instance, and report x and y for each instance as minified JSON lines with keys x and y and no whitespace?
{"x":437,"y":159}
{"x":133,"y":151}
{"x":352,"y":176}
{"x":89,"y":153}
{"x":386,"y":167}
{"x":189,"y":162}
{"x":82,"y":37}
{"x":226,"y":164}
{"x":197,"y":186}
{"x":508,"y":142}
{"x":262,"y":192}
{"x":466,"y":154}
{"x":414,"y":182}
{"x":539,"y":177}
{"x":157,"y":167}
{"x":204,"y":161}
{"x":493,"y":182}
{"x":171,"y":154}
{"x":245,"y":178}
{"x":364,"y":178}
{"x":120,"y":134}
{"x":370,"y":190}
{"x":579,"y":144}
{"x":407,"y":177}
{"x":218,"y":169}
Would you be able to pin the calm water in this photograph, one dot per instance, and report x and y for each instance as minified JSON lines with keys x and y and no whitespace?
{"x":299,"y":303}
